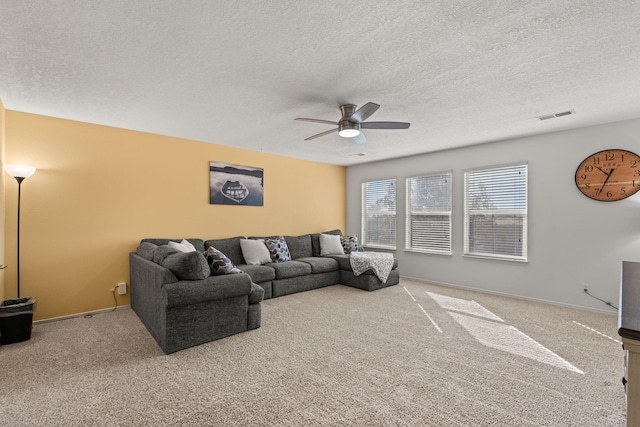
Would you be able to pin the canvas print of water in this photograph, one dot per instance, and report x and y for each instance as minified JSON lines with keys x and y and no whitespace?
{"x":235,"y":185}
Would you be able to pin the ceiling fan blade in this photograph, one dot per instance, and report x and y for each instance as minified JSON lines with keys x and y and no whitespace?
{"x":364,"y":112}
{"x":317,"y":121}
{"x":385,"y":125}
{"x":318,"y":135}
{"x":360,"y":139}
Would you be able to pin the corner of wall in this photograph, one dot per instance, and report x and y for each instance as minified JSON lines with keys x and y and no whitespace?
{"x":2,"y":195}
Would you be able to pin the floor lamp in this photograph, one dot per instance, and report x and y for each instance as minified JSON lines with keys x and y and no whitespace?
{"x":19,"y":172}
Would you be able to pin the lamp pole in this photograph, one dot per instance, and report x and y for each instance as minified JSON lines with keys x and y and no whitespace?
{"x":19,"y":172}
{"x":19,"y":179}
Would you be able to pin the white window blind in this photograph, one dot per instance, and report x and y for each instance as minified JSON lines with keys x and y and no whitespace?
{"x":428,"y":224}
{"x":379,"y":214}
{"x":495,"y":212}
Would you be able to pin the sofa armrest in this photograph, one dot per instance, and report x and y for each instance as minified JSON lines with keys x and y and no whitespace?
{"x":146,"y":279}
{"x":187,"y":292}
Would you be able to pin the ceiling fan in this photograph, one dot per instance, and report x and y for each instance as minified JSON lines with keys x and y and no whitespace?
{"x":353,"y":120}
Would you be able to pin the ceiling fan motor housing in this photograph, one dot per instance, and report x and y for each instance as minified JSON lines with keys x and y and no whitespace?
{"x":352,"y":129}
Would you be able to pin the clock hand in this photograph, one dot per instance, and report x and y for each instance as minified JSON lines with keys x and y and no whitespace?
{"x":600,"y":169}
{"x":605,"y":181}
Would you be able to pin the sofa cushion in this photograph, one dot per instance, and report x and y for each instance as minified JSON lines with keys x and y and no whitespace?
{"x":289,"y":269}
{"x":219,"y":263}
{"x":212,"y":288}
{"x":315,"y":241}
{"x":299,"y":246}
{"x":256,"y":295}
{"x":197,"y":243}
{"x":230,"y":247}
{"x":330,"y":245}
{"x":187,"y":265}
{"x":146,"y":250}
{"x":278,"y":249}
{"x":255,"y":252}
{"x":349,"y":244}
{"x":320,"y":264}
{"x":258,"y":273}
{"x":161,"y":252}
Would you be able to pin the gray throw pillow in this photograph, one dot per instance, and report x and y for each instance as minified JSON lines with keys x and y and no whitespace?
{"x":278,"y":249}
{"x":219,"y":263}
{"x":161,"y":252}
{"x":146,"y":250}
{"x":188,"y":265}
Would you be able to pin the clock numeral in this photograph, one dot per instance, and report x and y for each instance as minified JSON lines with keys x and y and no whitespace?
{"x":587,"y":186}
{"x":636,"y":173}
{"x":588,"y":168}
{"x":634,"y":163}
{"x":623,"y":191}
{"x":596,"y":161}
{"x":609,"y":156}
{"x":583,"y":176}
{"x":609,"y":194}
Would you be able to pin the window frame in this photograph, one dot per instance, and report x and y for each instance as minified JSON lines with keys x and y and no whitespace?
{"x":409,"y":213}
{"x":364,"y":212}
{"x":497,"y":212}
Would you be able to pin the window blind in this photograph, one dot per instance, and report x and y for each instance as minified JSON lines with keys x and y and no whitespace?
{"x":379,"y":214}
{"x":428,"y":224}
{"x":495,"y":212}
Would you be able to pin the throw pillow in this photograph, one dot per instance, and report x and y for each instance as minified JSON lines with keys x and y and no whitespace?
{"x":330,"y":245}
{"x":255,"y":252}
{"x":188,"y":265}
{"x":349,"y":244}
{"x":219,"y":263}
{"x":183,"y":246}
{"x":146,"y":250}
{"x":162,"y":252}
{"x":278,"y":249}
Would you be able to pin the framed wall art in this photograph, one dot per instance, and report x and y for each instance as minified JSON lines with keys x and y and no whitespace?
{"x":235,"y":185}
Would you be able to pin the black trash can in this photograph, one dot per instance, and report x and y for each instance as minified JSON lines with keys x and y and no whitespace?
{"x":16,"y":318}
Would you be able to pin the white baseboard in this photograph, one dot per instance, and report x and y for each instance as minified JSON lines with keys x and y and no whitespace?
{"x":504,"y":294}
{"x":85,"y":314}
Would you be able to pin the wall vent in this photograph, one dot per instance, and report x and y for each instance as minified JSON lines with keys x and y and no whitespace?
{"x":555,"y":115}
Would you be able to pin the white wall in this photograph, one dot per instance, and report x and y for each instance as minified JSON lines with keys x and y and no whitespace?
{"x":572,"y":240}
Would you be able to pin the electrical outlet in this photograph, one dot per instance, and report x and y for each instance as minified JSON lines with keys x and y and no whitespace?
{"x":122,"y":288}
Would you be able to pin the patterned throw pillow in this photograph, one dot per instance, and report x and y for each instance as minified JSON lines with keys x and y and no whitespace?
{"x":278,"y":249}
{"x":349,"y":244}
{"x":219,"y":263}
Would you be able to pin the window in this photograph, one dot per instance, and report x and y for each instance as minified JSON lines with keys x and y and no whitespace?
{"x":495,"y":212}
{"x":379,"y":214}
{"x":428,"y":225}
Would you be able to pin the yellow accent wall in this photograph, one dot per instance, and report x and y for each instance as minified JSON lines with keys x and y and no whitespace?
{"x":98,"y":190}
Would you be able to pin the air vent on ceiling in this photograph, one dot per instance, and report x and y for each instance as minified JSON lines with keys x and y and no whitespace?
{"x":555,"y":115}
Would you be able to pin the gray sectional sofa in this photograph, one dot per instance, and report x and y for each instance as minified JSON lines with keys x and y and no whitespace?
{"x":181,"y":312}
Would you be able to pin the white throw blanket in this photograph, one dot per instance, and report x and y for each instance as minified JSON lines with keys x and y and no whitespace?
{"x":380,"y":263}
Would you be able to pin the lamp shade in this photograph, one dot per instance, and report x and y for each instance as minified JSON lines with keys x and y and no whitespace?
{"x":19,"y":171}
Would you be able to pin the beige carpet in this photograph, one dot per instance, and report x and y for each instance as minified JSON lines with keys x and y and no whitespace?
{"x":409,"y":355}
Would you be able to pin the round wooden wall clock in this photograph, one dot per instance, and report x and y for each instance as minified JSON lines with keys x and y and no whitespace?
{"x":609,"y":175}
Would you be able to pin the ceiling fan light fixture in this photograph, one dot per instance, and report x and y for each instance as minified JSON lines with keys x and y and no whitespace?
{"x":349,"y":133}
{"x":347,"y":129}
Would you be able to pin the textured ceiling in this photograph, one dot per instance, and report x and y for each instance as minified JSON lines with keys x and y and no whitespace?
{"x":238,"y":72}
